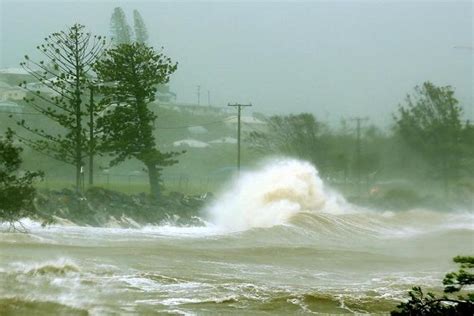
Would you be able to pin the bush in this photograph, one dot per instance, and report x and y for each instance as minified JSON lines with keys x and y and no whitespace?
{"x":16,"y":192}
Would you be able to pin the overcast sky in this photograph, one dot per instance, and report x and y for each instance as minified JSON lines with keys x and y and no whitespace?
{"x":334,"y":58}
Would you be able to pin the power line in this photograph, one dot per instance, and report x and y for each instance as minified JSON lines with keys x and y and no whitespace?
{"x":239,"y":110}
{"x":358,"y":148}
{"x":204,"y":124}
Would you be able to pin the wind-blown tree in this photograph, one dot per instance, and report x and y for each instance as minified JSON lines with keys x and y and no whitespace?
{"x":121,"y":31}
{"x":299,"y":135}
{"x":65,"y":80}
{"x":136,"y":70}
{"x":430,"y":122}
{"x":430,"y":305}
{"x":141,"y":33}
{"x":372,"y":146}
{"x":16,"y":192}
{"x":332,"y":151}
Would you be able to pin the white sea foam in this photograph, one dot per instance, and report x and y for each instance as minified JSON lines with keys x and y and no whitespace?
{"x":272,"y":195}
{"x":265,"y":197}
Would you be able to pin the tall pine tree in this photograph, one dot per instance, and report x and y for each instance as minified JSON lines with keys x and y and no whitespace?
{"x":121,"y":31}
{"x":65,"y":81}
{"x":141,"y":33}
{"x":136,"y":70}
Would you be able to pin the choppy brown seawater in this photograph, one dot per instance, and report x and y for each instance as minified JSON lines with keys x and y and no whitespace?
{"x":335,"y":259}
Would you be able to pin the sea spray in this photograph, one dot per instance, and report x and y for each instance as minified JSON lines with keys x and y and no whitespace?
{"x":272,"y":195}
{"x":330,"y":253}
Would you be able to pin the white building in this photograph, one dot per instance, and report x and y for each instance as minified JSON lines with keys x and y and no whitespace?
{"x":224,"y":140}
{"x":7,"y":106}
{"x":193,"y":143}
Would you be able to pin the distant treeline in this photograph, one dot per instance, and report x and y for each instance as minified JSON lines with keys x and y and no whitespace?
{"x":430,"y":141}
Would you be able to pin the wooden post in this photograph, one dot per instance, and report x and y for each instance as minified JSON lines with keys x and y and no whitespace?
{"x":239,"y":110}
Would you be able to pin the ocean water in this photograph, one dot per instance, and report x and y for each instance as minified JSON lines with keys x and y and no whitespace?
{"x":276,"y":241}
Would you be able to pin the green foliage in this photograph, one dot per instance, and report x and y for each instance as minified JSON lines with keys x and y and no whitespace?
{"x":16,"y":192}
{"x":428,"y":304}
{"x":121,"y":31}
{"x":135,"y":70}
{"x":303,"y":136}
{"x":62,"y":82}
{"x":141,"y":33}
{"x":299,"y":135}
{"x":455,"y":281}
{"x":430,"y":123}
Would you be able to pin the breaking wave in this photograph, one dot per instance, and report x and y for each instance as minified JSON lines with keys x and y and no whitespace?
{"x":273,"y":195}
{"x":276,"y":241}
{"x":290,"y":192}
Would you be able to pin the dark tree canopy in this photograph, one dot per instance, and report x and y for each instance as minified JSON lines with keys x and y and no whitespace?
{"x":136,"y":70}
{"x":430,"y":122}
{"x":60,"y":93}
{"x":303,"y":136}
{"x":16,"y":192}
{"x":121,"y":31}
{"x":428,"y":304}
{"x":297,"y":135}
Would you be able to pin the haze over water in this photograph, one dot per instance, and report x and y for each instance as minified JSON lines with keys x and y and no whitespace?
{"x":335,"y":59}
{"x":277,"y":241}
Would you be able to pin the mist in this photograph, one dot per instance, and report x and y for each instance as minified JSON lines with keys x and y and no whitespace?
{"x":333,"y":59}
{"x":236,"y":157}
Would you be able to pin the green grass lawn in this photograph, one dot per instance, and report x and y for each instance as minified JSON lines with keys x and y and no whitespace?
{"x":193,"y":187}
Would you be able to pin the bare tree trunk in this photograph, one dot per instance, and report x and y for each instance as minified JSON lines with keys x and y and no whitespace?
{"x":91,"y":137}
{"x":78,"y":150}
{"x":78,"y":127}
{"x":153,"y":177}
{"x":78,"y":177}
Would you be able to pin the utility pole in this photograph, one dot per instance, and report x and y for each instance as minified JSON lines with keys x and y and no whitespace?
{"x":358,"y":149}
{"x":208,"y":98}
{"x":199,"y":94}
{"x":239,"y":110}
{"x":91,"y":136}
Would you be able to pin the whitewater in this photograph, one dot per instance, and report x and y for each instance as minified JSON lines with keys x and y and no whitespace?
{"x":277,"y":240}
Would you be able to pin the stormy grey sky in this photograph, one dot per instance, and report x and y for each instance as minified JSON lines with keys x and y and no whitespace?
{"x":333,"y":58}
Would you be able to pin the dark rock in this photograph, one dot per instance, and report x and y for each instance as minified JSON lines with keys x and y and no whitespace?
{"x":98,"y":206}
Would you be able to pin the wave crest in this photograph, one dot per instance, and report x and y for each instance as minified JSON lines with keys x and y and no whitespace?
{"x":61,"y":267}
{"x":272,"y":195}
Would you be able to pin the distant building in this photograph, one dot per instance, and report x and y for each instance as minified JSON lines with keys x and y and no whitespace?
{"x":197,"y":129}
{"x":13,"y":71}
{"x":194,"y":143}
{"x":7,"y":106}
{"x":224,"y":140}
{"x":233,"y":120}
{"x":195,"y":109}
{"x":8,"y":92}
{"x":14,"y":76}
{"x":42,"y":88}
{"x":164,"y":94}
